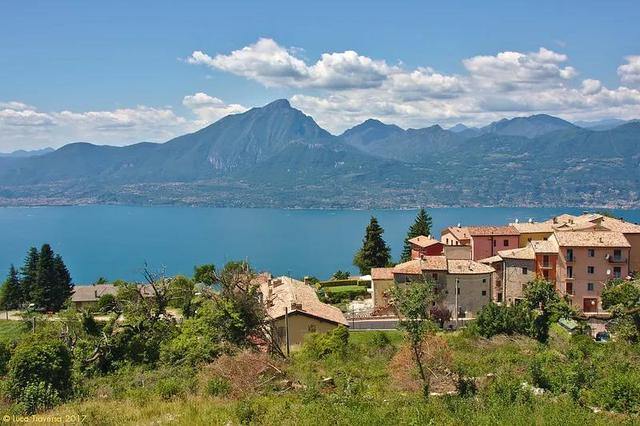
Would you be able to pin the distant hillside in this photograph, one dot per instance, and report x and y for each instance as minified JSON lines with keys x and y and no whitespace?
{"x":21,"y":153}
{"x":276,"y":156}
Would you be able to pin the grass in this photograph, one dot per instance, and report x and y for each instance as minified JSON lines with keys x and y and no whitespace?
{"x":346,"y":289}
{"x":12,"y":330}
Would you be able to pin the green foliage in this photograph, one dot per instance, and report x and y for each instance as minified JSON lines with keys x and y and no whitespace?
{"x":374,"y":252}
{"x":29,"y":274}
{"x":38,"y":397}
{"x":622,"y":298}
{"x":217,"y":386}
{"x":5,"y":356}
{"x":169,"y":388}
{"x":205,"y":274}
{"x":11,"y":294}
{"x":421,"y":226}
{"x":380,"y":340}
{"x":496,"y":319}
{"x":619,"y":391}
{"x":181,"y":295}
{"x":413,"y":304}
{"x":321,"y":345}
{"x":335,"y":295}
{"x":507,"y":390}
{"x":40,"y":359}
{"x":341,"y":275}
{"x":107,"y":303}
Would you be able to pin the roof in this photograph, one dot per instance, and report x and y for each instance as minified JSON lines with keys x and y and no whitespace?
{"x":620,"y":225}
{"x":492,"y":259}
{"x":381,"y":273}
{"x":460,"y":233}
{"x":563,"y":218}
{"x":469,"y":267}
{"x":525,"y":253}
{"x":422,"y":241}
{"x":544,"y":246}
{"x":533,"y":227}
{"x":477,"y":231}
{"x":416,"y":266}
{"x":591,"y":239}
{"x":295,"y":296}
{"x":91,"y":293}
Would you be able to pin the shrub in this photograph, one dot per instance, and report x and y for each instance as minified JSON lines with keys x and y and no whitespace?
{"x":107,"y":303}
{"x":37,"y":397}
{"x":5,"y":356}
{"x":321,"y":345}
{"x":217,"y":386}
{"x":380,"y":340}
{"x":619,"y":392}
{"x":48,"y":361}
{"x":496,"y":319}
{"x":466,"y":386}
{"x":169,"y":387}
{"x":507,"y":390}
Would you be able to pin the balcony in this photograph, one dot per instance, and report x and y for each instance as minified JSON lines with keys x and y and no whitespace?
{"x":616,"y":259}
{"x":570,"y":258}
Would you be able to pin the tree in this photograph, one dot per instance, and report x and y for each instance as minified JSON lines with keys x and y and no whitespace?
{"x":542,"y":296}
{"x":341,"y":275}
{"x":43,"y":292}
{"x":205,"y":274}
{"x":181,"y":294}
{"x":421,"y":226}
{"x":63,"y":287}
{"x":11,"y":296}
{"x":413,"y":303}
{"x":29,"y":274}
{"x":374,"y":252}
{"x":622,"y":299}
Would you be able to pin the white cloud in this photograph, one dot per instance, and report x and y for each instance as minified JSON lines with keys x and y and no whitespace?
{"x":630,"y":72}
{"x":209,"y":108}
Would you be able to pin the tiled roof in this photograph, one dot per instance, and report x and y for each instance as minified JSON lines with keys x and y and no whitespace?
{"x":422,"y":241}
{"x":563,"y":218}
{"x":492,"y":259}
{"x":297,"y":296}
{"x":533,"y":227}
{"x":461,"y":233}
{"x":416,"y":266}
{"x":381,"y":273}
{"x":492,"y":230}
{"x":468,"y":267}
{"x":620,"y":225}
{"x":591,"y":239}
{"x":544,"y":246}
{"x":525,"y":253}
{"x":91,"y":293}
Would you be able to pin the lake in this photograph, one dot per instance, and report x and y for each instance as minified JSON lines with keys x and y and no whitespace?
{"x":116,"y":241}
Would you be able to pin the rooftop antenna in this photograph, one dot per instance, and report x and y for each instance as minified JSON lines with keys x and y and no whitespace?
{"x":530,"y":220}
{"x":517,"y":220}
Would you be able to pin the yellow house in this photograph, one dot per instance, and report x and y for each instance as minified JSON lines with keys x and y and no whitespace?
{"x":295,"y":310}
{"x":532,"y":231}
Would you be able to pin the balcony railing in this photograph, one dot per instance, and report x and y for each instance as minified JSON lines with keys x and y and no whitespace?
{"x":616,"y":259}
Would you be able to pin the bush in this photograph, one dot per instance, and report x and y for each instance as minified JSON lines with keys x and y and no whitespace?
{"x":107,"y":303}
{"x":496,"y":319}
{"x":38,"y":397}
{"x":5,"y":356}
{"x":47,"y":360}
{"x":619,"y":392}
{"x":507,"y":390}
{"x":169,"y":387}
{"x":335,"y":295}
{"x":217,"y":386}
{"x":321,"y":345}
{"x":380,"y":340}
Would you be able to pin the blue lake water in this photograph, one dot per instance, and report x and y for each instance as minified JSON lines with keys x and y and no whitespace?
{"x":116,"y":241}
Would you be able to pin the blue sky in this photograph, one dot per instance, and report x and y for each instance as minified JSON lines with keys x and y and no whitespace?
{"x":118,"y":72}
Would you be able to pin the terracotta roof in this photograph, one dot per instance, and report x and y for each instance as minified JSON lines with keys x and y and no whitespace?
{"x":416,"y":266}
{"x":620,"y":225}
{"x":563,"y":218}
{"x":525,"y":253}
{"x":468,"y":267}
{"x":296,"y":296}
{"x":591,"y":239}
{"x":533,"y":227}
{"x":492,"y":259}
{"x":461,"y":233}
{"x":381,"y":273}
{"x":544,"y":246}
{"x":492,"y":230}
{"x":422,"y":241}
{"x":91,"y":293}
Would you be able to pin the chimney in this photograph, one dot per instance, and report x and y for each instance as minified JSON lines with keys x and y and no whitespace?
{"x":307,"y":280}
{"x":295,"y":305}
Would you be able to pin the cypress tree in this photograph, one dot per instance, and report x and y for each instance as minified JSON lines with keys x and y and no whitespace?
{"x":374,"y":252}
{"x":46,"y":282}
{"x":64,"y":286}
{"x":11,"y":296}
{"x":29,"y":274}
{"x":421,"y":226}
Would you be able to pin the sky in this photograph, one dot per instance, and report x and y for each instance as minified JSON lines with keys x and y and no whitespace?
{"x":121,"y":72}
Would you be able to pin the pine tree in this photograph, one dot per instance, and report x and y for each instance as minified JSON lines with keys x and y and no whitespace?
{"x":63,"y":285}
{"x":421,"y":226}
{"x":29,"y":274}
{"x":11,"y":296}
{"x":374,"y":252}
{"x":43,"y":293}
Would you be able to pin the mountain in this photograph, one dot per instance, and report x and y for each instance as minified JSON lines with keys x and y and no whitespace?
{"x":606,"y":124}
{"x":529,"y":127}
{"x":21,"y":153}
{"x":458,"y":128}
{"x":276,"y":156}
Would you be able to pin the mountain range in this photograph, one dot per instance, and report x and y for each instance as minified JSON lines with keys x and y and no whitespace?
{"x":276,"y":156}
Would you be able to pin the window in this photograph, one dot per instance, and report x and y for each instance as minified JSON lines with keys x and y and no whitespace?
{"x":311,"y":328}
{"x":495,"y":243}
{"x":591,"y":252}
{"x":484,"y":292}
{"x":591,"y":269}
{"x":545,"y":261}
{"x":569,"y":271}
{"x":589,"y":286}
{"x":569,"y":288}
{"x":617,"y":272}
{"x":570,"y":255}
{"x":524,"y":271}
{"x":499,"y":297}
{"x":434,"y":276}
{"x":458,"y":290}
{"x":505,"y":243}
{"x":484,"y":280}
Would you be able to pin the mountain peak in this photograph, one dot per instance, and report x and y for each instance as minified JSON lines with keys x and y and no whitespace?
{"x":278,"y":104}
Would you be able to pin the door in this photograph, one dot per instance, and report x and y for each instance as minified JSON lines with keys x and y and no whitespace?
{"x":590,"y":304}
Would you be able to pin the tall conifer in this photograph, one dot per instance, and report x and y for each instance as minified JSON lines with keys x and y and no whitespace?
{"x":421,"y":226}
{"x":374,"y":252}
{"x":11,"y":295}
{"x":29,"y":274}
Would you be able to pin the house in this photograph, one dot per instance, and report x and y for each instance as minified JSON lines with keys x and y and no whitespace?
{"x":485,"y":241}
{"x":586,"y":261}
{"x":425,"y":246}
{"x":464,"y":283}
{"x":546,"y":259}
{"x":86,"y":296}
{"x":295,"y":310}
{"x":532,"y":231}
{"x":515,"y":268}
